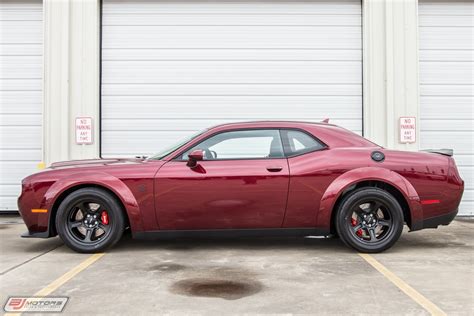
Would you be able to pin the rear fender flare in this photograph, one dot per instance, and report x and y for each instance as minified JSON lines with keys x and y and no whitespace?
{"x":98,"y":179}
{"x":352,"y":177}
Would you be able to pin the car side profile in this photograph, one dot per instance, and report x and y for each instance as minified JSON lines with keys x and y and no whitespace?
{"x":247,"y":179}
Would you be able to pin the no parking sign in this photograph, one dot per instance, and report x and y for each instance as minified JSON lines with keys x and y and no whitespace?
{"x":84,"y":130}
{"x":407,"y":129}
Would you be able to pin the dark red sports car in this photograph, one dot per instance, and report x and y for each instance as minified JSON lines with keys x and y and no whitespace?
{"x":247,"y":179}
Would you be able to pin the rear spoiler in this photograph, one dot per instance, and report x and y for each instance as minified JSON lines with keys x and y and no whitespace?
{"x":443,"y":151}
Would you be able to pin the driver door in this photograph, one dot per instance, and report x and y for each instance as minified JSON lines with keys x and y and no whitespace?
{"x":241,"y":183}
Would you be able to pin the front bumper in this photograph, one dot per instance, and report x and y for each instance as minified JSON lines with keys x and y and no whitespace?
{"x":35,"y":235}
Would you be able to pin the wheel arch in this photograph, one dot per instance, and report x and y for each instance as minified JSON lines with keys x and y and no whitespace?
{"x":68,"y":191}
{"x":382,"y":178}
{"x":114,"y":186}
{"x":373,"y":184}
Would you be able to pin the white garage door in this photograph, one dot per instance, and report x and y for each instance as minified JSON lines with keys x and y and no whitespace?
{"x":170,"y":68}
{"x":447,"y":88}
{"x":21,"y":44}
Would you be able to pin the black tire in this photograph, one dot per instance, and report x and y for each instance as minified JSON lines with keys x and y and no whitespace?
{"x":83,"y":226}
{"x":369,"y":220}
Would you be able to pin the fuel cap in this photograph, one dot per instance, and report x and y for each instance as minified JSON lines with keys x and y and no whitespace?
{"x":378,"y":156}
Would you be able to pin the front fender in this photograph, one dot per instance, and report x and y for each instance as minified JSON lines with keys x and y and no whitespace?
{"x":100,"y":179}
{"x":347,"y":179}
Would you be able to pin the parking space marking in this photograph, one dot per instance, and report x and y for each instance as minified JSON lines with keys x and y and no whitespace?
{"x":69,"y":275}
{"x":402,"y":285}
{"x":53,"y":286}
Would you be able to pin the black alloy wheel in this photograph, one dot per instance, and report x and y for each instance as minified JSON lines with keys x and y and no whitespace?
{"x":90,"y":220}
{"x":369,"y":220}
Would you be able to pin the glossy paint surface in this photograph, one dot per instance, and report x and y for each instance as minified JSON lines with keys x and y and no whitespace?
{"x":292,"y":192}
{"x":222,"y":194}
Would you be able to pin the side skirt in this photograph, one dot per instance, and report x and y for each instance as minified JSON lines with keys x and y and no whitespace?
{"x":231,"y":233}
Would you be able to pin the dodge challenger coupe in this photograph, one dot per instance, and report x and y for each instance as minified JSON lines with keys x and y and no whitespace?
{"x":247,"y":179}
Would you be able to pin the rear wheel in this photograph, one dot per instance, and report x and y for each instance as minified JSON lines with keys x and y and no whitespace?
{"x":369,"y":220}
{"x":90,"y":220}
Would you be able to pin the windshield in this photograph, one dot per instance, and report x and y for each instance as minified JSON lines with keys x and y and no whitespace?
{"x":162,"y":154}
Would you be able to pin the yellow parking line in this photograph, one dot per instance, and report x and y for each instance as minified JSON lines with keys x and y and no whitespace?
{"x":53,"y":286}
{"x":402,"y":285}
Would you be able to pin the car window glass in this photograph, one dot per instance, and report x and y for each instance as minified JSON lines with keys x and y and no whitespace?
{"x":247,"y":144}
{"x":297,"y":142}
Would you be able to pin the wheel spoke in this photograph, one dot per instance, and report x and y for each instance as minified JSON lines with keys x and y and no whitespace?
{"x":357,"y":227}
{"x":88,"y":236}
{"x":372,"y":234}
{"x":383,"y":222}
{"x":75,"y":224}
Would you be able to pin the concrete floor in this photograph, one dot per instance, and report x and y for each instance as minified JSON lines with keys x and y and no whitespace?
{"x":277,"y":275}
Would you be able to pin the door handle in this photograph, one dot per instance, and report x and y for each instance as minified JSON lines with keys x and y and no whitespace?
{"x":274,"y":168}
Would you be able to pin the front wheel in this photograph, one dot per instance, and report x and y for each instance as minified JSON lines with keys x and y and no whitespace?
{"x":369,"y":220}
{"x":90,"y":220}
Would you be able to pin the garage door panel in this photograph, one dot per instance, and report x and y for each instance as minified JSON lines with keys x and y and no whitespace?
{"x":10,"y":190}
{"x":467,"y":173}
{"x":446,"y":84}
{"x":235,"y":7}
{"x":427,"y":20}
{"x":27,"y":102}
{"x":21,"y":49}
{"x":21,"y":32}
{"x":231,"y":72}
{"x":442,"y":8}
{"x":19,"y":67}
{"x":447,"y":125}
{"x":234,"y":20}
{"x":26,"y":119}
{"x":458,"y":90}
{"x":13,"y":171}
{"x":445,"y":37}
{"x":237,"y":107}
{"x":464,"y":160}
{"x":467,"y":208}
{"x":20,"y":85}
{"x":230,"y":90}
{"x":461,"y":142}
{"x":446,"y":55}
{"x":458,"y":72}
{"x":170,"y":124}
{"x":232,"y":54}
{"x":143,"y":142}
{"x":8,"y":203}
{"x":20,"y":94}
{"x":21,"y":154}
{"x":20,"y":137}
{"x":262,"y":37}
{"x":180,"y":66}
{"x":449,"y":108}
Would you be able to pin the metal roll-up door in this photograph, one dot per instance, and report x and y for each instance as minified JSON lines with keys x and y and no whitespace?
{"x":21,"y":46}
{"x":170,"y":68}
{"x":447,"y":87}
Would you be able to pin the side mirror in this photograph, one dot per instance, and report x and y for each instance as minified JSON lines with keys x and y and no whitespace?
{"x":194,"y":157}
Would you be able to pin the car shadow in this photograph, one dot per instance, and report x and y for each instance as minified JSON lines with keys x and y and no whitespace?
{"x":127,"y":244}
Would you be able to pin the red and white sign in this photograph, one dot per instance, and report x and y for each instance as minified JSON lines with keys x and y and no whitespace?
{"x":84,"y":130}
{"x":407,"y":129}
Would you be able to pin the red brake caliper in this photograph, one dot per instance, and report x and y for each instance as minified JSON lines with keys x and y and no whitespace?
{"x":354,"y":224}
{"x":104,"y":217}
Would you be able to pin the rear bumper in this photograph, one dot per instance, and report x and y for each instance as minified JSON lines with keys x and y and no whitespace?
{"x":434,"y":222}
